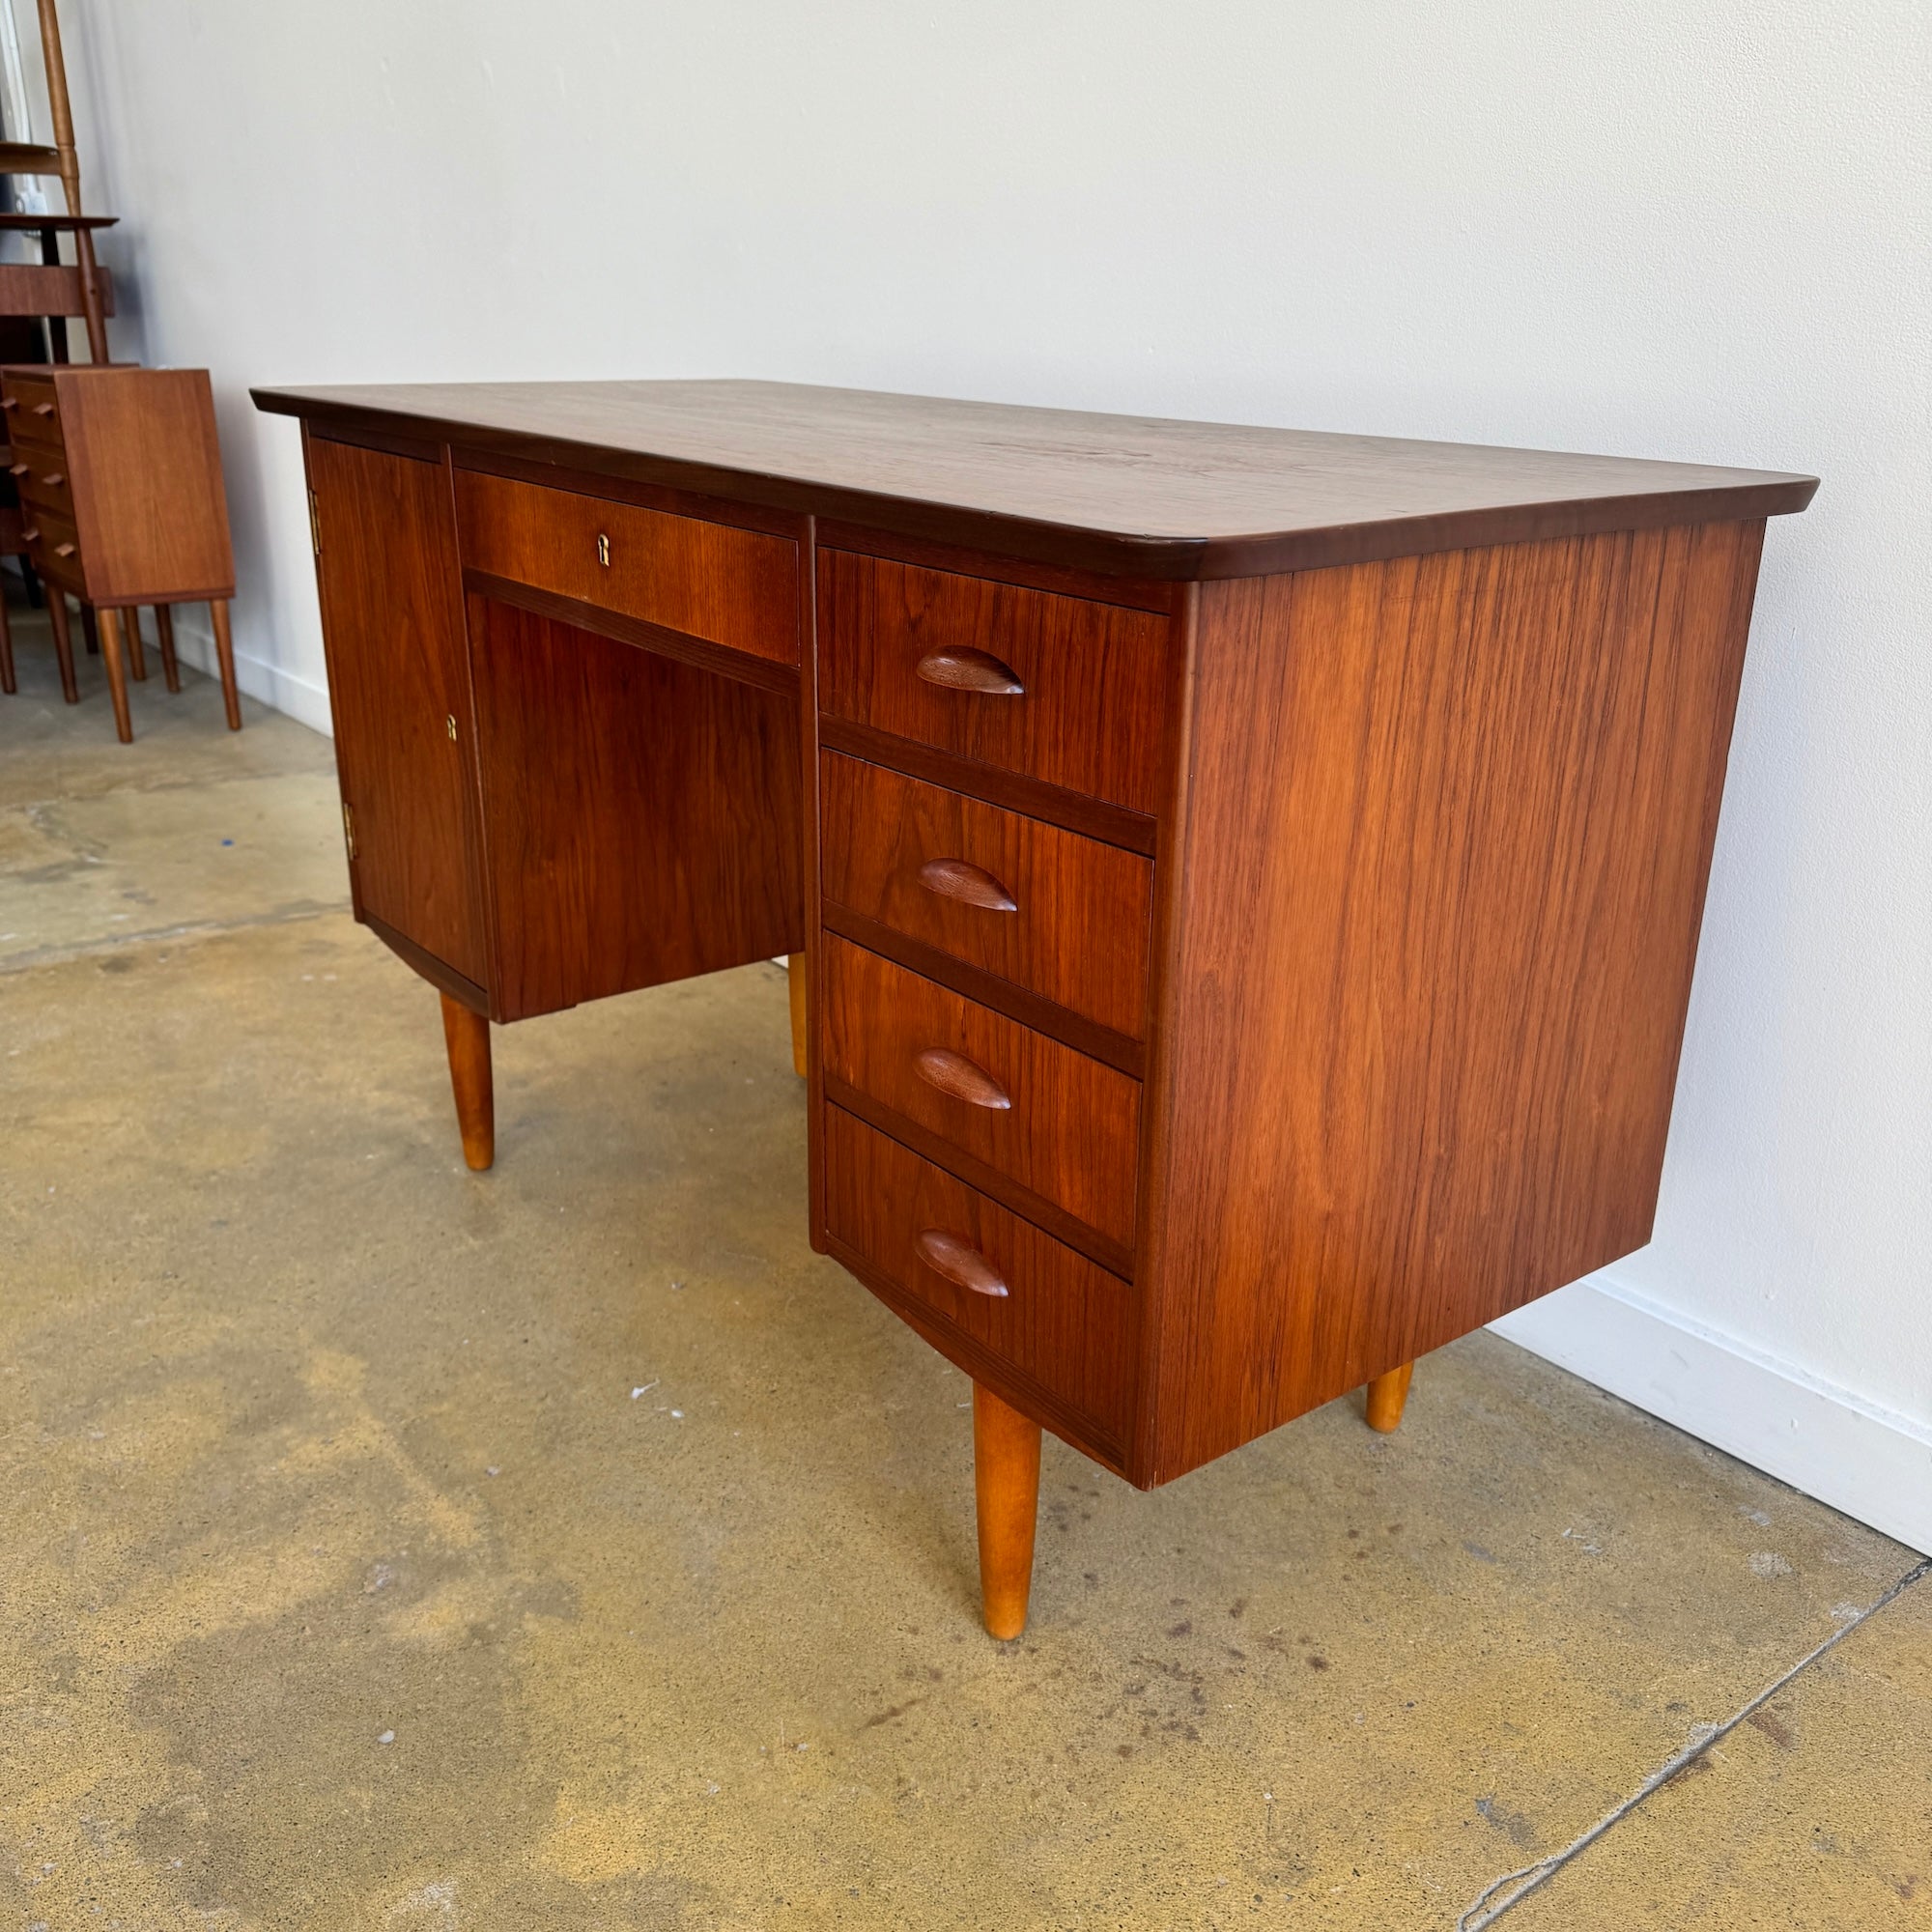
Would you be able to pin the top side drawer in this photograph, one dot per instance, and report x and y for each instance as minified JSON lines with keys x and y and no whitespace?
{"x":730,"y":587}
{"x":32,"y":410}
{"x":1059,"y":687}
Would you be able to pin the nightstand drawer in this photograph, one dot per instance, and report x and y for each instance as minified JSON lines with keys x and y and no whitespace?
{"x":53,"y":547}
{"x":41,"y":477}
{"x":1060,"y":915}
{"x":1058,"y":688}
{"x":975,"y":1271}
{"x":730,"y":587}
{"x":32,"y":410}
{"x":1061,"y":1126}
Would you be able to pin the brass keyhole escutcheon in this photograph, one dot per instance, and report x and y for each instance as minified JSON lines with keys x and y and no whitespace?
{"x":602,"y":549}
{"x":450,"y":720}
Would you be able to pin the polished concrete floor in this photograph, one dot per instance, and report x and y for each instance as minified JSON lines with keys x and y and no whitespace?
{"x":567,"y":1546}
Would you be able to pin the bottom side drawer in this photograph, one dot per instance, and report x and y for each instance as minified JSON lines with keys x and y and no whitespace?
{"x":53,"y":544}
{"x":1063,"y":1323}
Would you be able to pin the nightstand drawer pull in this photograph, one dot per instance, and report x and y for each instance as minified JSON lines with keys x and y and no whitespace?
{"x":963,"y":1079}
{"x":18,"y":470}
{"x":960,"y":1263}
{"x":31,"y":536}
{"x":63,"y":549}
{"x":44,"y":409}
{"x":54,"y":478}
{"x":957,"y":879}
{"x":962,"y":669}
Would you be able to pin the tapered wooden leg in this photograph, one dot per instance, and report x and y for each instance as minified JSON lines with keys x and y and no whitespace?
{"x":137,"y":651}
{"x":1386,"y":1396}
{"x":117,"y":674}
{"x":1006,"y":1486}
{"x":466,"y":1035}
{"x":224,"y":651}
{"x":164,"y":623}
{"x":795,"y":974}
{"x":6,"y":647}
{"x":63,"y":644}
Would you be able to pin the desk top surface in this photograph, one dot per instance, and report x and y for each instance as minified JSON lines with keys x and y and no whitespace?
{"x":1165,"y":498}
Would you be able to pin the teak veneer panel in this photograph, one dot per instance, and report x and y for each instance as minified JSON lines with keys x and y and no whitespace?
{"x":398,"y":676}
{"x":726,"y":585}
{"x":1069,"y":1128}
{"x":1078,"y":933}
{"x":1088,"y":718}
{"x":642,"y":816}
{"x":1443,"y":868}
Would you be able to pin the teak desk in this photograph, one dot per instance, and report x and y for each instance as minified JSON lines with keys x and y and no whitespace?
{"x":1249,"y":879}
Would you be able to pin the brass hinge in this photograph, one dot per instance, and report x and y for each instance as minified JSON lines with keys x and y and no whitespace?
{"x":314,"y":524}
{"x":349,"y":830}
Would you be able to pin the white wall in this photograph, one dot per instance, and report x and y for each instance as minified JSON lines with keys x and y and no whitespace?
{"x":1678,"y":228}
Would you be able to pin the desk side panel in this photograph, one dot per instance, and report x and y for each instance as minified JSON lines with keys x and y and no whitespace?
{"x":1451,"y":823}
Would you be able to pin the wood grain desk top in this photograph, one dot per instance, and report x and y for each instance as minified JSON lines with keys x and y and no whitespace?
{"x":1137,"y":494}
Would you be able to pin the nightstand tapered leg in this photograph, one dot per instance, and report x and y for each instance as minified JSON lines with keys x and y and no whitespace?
{"x":224,"y":651}
{"x":1006,"y":1485}
{"x":466,"y":1035}
{"x":116,"y":673}
{"x":1386,"y":1396}
{"x":795,"y":974}
{"x":137,"y":651}
{"x":63,"y":642}
{"x":164,"y":623}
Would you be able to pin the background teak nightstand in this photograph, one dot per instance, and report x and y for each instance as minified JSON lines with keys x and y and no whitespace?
{"x":119,"y":478}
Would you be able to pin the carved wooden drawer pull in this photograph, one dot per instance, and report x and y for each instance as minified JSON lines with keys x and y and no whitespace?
{"x":31,"y":536}
{"x":44,"y":409}
{"x":54,"y":478}
{"x":965,"y":669}
{"x":18,"y":470}
{"x":956,"y":879}
{"x":960,"y":1263}
{"x":63,"y":549}
{"x":963,"y":1079}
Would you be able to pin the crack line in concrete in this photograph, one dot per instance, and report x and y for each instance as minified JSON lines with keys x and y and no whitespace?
{"x":1481,"y":1912}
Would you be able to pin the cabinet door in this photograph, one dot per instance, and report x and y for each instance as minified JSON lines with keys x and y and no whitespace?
{"x":399,"y":687}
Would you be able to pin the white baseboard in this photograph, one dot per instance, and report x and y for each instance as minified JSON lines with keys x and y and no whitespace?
{"x":303,"y":699}
{"x":1865,"y":1461}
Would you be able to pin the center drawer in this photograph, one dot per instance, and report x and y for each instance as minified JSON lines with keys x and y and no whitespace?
{"x":1059,"y":1125}
{"x":1060,"y":914}
{"x":716,"y":582}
